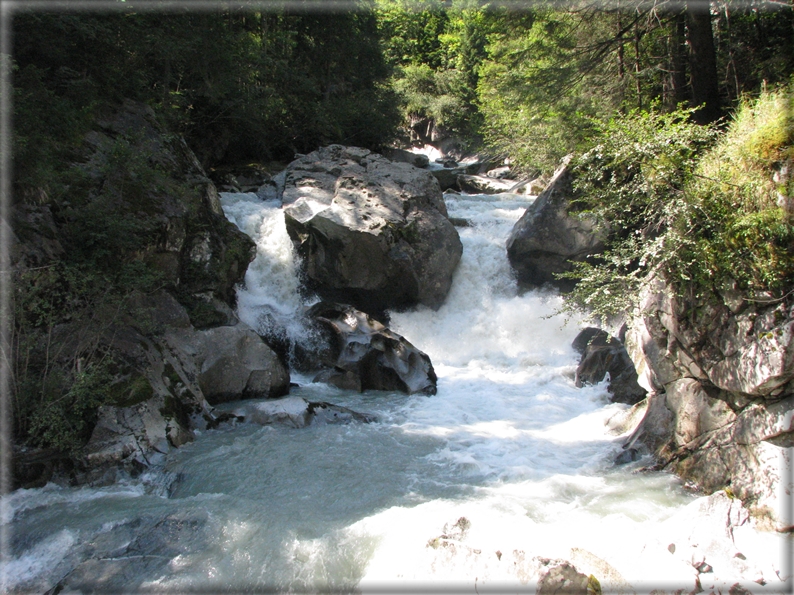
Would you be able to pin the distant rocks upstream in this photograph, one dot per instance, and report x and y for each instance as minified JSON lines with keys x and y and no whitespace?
{"x":549,"y":237}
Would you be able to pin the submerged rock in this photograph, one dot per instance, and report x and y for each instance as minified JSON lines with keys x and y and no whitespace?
{"x":548,"y":237}
{"x":363,"y":354}
{"x":603,"y":354}
{"x":561,"y":577}
{"x":132,"y":555}
{"x":370,"y":232}
{"x":298,"y":413}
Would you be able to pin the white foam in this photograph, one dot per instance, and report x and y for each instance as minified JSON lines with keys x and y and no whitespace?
{"x":22,"y":572}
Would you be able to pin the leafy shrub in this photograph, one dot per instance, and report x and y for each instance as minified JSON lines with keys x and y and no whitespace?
{"x":64,"y":416}
{"x":701,"y":218}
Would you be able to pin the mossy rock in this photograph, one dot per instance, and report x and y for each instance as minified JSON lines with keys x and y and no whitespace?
{"x":126,"y":393}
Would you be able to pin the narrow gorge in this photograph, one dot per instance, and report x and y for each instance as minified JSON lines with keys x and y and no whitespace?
{"x":454,"y":446}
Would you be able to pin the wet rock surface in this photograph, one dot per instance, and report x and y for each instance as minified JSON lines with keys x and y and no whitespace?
{"x":363,"y":354}
{"x":548,"y":236}
{"x":603,"y":354}
{"x":370,"y":232}
{"x":296,"y":412}
{"x":131,"y":556}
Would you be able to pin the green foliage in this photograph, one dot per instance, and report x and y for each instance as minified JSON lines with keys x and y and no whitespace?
{"x":537,"y":95}
{"x":701,"y":219}
{"x":748,"y":236}
{"x":435,"y":54}
{"x":64,"y":414}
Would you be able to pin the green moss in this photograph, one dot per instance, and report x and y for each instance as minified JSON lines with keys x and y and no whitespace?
{"x":174,"y":409}
{"x":135,"y":389}
{"x":170,"y":373}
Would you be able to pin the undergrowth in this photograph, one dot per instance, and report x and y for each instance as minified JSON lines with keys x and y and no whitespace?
{"x":702,"y":208}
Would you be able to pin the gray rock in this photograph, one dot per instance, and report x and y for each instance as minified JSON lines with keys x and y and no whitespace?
{"x":447,"y":178}
{"x":370,"y":232}
{"x":627,"y":456}
{"x":134,"y":554}
{"x":233,"y":363}
{"x":602,"y":355}
{"x":416,"y":159}
{"x":366,"y":355}
{"x":562,"y":577}
{"x":296,"y":412}
{"x":722,"y":410}
{"x":548,"y":237}
{"x":483,"y":184}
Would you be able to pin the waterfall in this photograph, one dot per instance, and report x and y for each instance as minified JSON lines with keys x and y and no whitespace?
{"x":507,"y":464}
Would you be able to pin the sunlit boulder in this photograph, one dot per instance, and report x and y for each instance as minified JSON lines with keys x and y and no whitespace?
{"x":370,"y":232}
{"x":549,"y":237}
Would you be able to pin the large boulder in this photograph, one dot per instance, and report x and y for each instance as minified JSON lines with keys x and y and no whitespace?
{"x":369,"y":231}
{"x":233,"y":363}
{"x":550,"y":236}
{"x":721,"y":408}
{"x":603,"y":354}
{"x":363,"y":354}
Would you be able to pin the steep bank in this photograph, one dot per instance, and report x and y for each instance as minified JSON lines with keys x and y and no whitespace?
{"x":124,"y":287}
{"x":721,"y":409}
{"x":698,"y":258}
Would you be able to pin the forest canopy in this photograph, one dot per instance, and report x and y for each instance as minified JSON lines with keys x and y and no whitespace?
{"x":525,"y":80}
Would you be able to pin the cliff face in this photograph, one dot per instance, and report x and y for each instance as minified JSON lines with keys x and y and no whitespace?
{"x":124,"y":331}
{"x":721,"y":407}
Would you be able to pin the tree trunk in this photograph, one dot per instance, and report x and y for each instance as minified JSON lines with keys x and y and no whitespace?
{"x":702,"y":63}
{"x":678,"y":59}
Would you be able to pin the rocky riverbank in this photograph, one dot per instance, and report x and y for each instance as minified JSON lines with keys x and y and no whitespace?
{"x":718,"y":369}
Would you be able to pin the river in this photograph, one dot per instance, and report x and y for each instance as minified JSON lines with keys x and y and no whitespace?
{"x":468,"y":489}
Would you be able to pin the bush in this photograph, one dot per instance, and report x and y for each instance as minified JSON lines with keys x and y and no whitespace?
{"x":678,"y":200}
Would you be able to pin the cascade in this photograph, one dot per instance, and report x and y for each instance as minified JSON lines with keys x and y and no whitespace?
{"x":508,"y":463}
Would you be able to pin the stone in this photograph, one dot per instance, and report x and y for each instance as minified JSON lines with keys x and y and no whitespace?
{"x":416,"y":159}
{"x":132,"y":555}
{"x":366,"y":355}
{"x":370,"y":232}
{"x":448,"y":177}
{"x":549,"y":236}
{"x":296,"y":412}
{"x":602,"y":355}
{"x":483,"y":184}
{"x":722,"y":404}
{"x":562,"y":577}
{"x":289,"y":411}
{"x":233,"y":363}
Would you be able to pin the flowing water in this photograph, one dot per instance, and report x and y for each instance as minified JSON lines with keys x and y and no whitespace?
{"x":508,"y":462}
